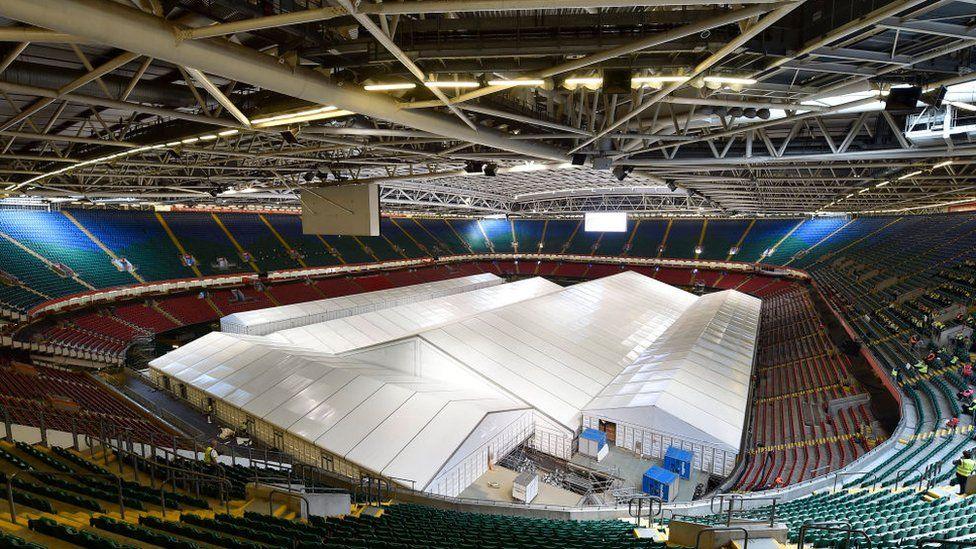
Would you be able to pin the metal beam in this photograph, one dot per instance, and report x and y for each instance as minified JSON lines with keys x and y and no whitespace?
{"x":259,"y":23}
{"x":215,"y":92}
{"x":459,"y":6}
{"x":711,"y":60}
{"x":638,"y":45}
{"x":109,"y":23}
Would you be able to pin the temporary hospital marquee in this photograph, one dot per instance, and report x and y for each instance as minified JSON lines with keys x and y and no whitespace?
{"x":272,"y":319}
{"x":693,"y":381}
{"x":364,"y":330}
{"x":430,"y":390}
{"x":378,"y":418}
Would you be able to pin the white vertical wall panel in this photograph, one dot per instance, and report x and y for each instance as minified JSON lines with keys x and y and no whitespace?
{"x":272,"y":319}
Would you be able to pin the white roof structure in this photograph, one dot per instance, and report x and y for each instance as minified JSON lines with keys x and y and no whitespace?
{"x":382,"y":419}
{"x":558,"y":351}
{"x":272,"y":319}
{"x":407,"y":389}
{"x":694,"y":379}
{"x":375,"y":327}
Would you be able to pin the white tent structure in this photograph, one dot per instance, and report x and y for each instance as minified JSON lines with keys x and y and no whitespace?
{"x":558,"y":351}
{"x":272,"y":319}
{"x":690,"y":388}
{"x":372,"y":328}
{"x":349,"y":415}
{"x":427,"y":393}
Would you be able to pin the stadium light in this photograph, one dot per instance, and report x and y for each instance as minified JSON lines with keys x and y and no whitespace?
{"x":942,"y":164}
{"x":910,"y":174}
{"x":732,"y":80}
{"x":882,"y":184}
{"x":390,"y":86}
{"x":437,"y":84}
{"x":528,"y":82}
{"x":319,"y":113}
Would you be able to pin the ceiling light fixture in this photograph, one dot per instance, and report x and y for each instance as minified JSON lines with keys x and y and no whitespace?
{"x":942,"y":164}
{"x":730,"y":80}
{"x":328,"y":111}
{"x":436,"y":84}
{"x":528,"y":82}
{"x":910,"y":174}
{"x":589,"y":82}
{"x":882,"y":184}
{"x":657,"y":79}
{"x":392,"y":86}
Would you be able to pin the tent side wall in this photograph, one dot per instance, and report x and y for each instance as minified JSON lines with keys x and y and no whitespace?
{"x":549,"y":437}
{"x":649,"y":442}
{"x":260,"y":430}
{"x":472,"y":457}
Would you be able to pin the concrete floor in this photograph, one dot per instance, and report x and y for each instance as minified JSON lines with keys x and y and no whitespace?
{"x":548,"y":494}
{"x":628,"y":466}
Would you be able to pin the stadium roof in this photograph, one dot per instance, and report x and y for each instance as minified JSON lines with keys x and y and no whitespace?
{"x":698,"y":107}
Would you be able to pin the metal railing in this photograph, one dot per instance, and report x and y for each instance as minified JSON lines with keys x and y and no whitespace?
{"x":727,"y":506}
{"x":13,"y":506}
{"x":832,"y":527}
{"x":715,"y":529}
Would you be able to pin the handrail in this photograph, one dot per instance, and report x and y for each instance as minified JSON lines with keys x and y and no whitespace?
{"x":640,"y":507}
{"x":867,"y":475}
{"x":722,"y":529}
{"x":10,"y":489}
{"x":732,"y":498}
{"x":308,"y":506}
{"x":839,"y":526}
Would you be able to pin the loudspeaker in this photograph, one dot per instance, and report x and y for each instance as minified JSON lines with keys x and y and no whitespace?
{"x":935,"y":97}
{"x":903,"y":100}
{"x":616,"y":81}
{"x":579,"y":159}
{"x":601,"y":163}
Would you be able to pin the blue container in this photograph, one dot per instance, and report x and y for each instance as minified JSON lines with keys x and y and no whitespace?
{"x":596,"y":436}
{"x":660,"y":482}
{"x":678,"y":461}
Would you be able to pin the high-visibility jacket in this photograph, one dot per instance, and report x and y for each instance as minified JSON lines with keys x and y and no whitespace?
{"x":209,"y":455}
{"x":966,"y":467}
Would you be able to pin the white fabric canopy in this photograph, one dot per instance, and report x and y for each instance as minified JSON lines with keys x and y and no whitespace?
{"x":399,"y":389}
{"x":381,"y":419}
{"x":272,"y":319}
{"x":558,"y":351}
{"x":693,"y":381}
{"x":367,"y":329}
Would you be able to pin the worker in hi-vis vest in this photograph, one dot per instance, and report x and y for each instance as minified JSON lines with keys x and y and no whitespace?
{"x":964,"y":468}
{"x":210,"y":454}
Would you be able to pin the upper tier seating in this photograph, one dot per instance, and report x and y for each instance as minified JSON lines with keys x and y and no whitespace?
{"x":43,"y":243}
{"x":799,"y":370}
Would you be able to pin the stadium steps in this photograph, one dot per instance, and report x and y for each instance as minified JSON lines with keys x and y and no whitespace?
{"x":738,"y":244}
{"x":281,"y":239}
{"x":821,"y":241}
{"x":98,"y":242}
{"x":237,"y":246}
{"x":42,"y":259}
{"x":176,"y":242}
